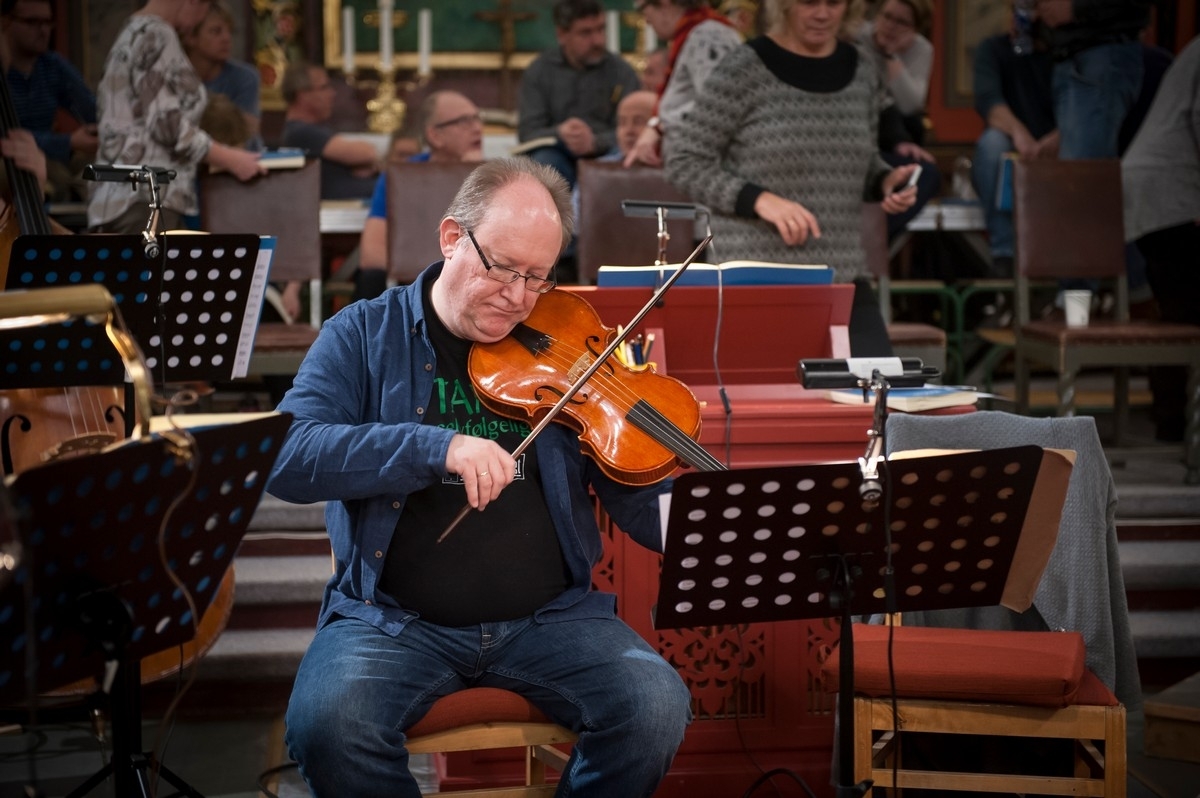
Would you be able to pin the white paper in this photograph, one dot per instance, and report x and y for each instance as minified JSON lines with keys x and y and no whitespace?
{"x":664,"y":513}
{"x":348,"y":40}
{"x":424,"y":41}
{"x":254,"y":300}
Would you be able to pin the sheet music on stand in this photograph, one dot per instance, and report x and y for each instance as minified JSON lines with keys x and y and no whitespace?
{"x":767,"y":544}
{"x":91,"y":543}
{"x":193,"y":311}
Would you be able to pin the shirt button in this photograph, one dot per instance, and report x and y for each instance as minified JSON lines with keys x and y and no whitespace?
{"x":378,"y":554}
{"x":420,"y":411}
{"x":395,"y":505}
{"x":367,"y":602}
{"x":429,"y":367}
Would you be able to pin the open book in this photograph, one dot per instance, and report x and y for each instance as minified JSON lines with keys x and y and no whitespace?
{"x":910,"y":400}
{"x":734,"y":272}
{"x":282,"y":158}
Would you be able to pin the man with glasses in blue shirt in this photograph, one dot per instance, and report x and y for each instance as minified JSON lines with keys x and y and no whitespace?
{"x":41,"y":83}
{"x":389,"y":432}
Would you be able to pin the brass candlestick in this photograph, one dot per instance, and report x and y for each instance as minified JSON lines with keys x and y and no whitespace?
{"x":387,"y":110}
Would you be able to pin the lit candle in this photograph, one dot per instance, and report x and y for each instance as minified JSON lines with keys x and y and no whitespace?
{"x":612,"y":31}
{"x":651,"y":39}
{"x":348,"y":40}
{"x":385,"y":35}
{"x":424,"y":41}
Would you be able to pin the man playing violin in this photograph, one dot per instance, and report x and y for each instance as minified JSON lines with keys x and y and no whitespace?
{"x":389,"y":432}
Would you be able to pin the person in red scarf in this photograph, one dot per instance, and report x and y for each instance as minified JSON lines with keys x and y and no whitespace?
{"x":699,"y":38}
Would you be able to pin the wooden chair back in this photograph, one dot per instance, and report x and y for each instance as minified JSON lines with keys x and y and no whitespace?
{"x":285,"y":203}
{"x":1069,"y":219}
{"x":604,"y":236}
{"x":417,"y":197}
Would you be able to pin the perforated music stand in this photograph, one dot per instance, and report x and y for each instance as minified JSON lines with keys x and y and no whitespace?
{"x":193,"y":310}
{"x":775,"y":544}
{"x":102,"y":595}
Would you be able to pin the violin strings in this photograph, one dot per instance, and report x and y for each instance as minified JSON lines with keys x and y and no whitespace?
{"x":641,"y":413}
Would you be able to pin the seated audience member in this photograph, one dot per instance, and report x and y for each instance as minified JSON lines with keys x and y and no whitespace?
{"x":904,"y":57}
{"x":699,"y":38}
{"x":1160,"y":176}
{"x":348,"y":166}
{"x":633,"y":115}
{"x":42,"y":83}
{"x":151,"y":102}
{"x":570,"y":93}
{"x":504,"y":601}
{"x":209,"y":46}
{"x":452,"y":130}
{"x":782,"y":147}
{"x":1013,"y":96}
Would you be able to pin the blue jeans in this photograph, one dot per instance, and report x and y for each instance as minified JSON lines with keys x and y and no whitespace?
{"x":1093,"y":92}
{"x":358,"y":689}
{"x":985,"y":177}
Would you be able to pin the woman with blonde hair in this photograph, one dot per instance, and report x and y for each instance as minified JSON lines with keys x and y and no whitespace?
{"x":782,"y":143}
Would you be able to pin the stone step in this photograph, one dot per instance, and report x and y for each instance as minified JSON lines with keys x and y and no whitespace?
{"x":1161,"y":565}
{"x":1166,"y":634}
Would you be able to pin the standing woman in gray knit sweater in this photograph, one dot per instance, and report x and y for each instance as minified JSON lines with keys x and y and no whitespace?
{"x":781,"y":144}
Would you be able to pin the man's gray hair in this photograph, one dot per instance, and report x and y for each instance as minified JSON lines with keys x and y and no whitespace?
{"x":473,"y":201}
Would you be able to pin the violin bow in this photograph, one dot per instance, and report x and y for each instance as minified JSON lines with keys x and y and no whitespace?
{"x":600,"y":360}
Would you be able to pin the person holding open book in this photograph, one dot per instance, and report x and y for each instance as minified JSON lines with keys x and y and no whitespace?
{"x":781,"y":144}
{"x":150,"y":102}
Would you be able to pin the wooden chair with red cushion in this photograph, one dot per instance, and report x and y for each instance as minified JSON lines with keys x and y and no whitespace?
{"x":488,"y":718}
{"x":982,"y":682}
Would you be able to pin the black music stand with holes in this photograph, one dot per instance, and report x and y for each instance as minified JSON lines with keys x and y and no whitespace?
{"x":777,"y":544}
{"x":101,"y":594}
{"x":193,"y":310}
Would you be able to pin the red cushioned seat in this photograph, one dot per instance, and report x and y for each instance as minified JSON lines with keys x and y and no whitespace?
{"x":1031,"y":668}
{"x":477,"y":705}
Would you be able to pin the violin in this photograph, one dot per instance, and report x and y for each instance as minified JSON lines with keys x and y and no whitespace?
{"x":638,"y":425}
{"x":616,"y":423}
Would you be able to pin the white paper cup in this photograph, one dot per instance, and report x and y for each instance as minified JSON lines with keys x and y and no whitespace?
{"x":1077,"y":305}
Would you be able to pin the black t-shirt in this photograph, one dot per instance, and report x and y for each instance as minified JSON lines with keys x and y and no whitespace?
{"x":499,"y":564}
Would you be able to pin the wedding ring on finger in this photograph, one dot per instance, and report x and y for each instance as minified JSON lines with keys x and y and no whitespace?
{"x":482,"y":474}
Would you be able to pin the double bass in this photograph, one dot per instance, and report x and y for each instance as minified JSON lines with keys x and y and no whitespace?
{"x":40,"y":425}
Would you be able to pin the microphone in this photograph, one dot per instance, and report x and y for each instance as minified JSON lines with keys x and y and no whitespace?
{"x":122,"y":173}
{"x":855,"y":372}
{"x":648,"y":209}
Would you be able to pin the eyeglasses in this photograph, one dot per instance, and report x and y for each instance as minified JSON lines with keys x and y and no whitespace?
{"x":465,"y":119}
{"x":899,"y":22}
{"x":538,"y":285}
{"x":35,"y":22}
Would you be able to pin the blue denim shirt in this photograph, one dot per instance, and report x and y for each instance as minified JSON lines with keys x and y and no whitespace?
{"x":357,"y":443}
